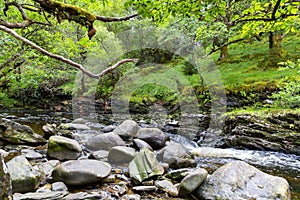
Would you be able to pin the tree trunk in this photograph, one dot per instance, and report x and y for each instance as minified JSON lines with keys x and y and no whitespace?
{"x":223,"y":52}
{"x":275,"y":49}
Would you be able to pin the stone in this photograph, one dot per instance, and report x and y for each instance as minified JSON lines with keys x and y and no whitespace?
{"x":5,"y":182}
{"x":59,"y":186}
{"x":81,"y":172}
{"x":192,"y":181}
{"x":127,"y":129}
{"x":144,"y":166}
{"x":63,"y":148}
{"x":140,"y":144}
{"x":24,"y":177}
{"x":121,"y":154}
{"x":239,"y":180}
{"x":131,"y":197}
{"x":49,"y":130}
{"x":153,"y":136}
{"x":31,"y":154}
{"x":49,"y":166}
{"x":109,"y":128}
{"x":41,"y":195}
{"x":176,"y":155}
{"x":83,"y":196}
{"x":16,"y":133}
{"x":71,"y":126}
{"x":144,"y":188}
{"x":167,"y":186}
{"x":79,"y":121}
{"x":178,"y":174}
{"x":104,"y":141}
{"x":99,"y":155}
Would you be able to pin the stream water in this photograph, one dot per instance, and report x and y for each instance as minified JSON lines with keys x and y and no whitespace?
{"x":279,"y":164}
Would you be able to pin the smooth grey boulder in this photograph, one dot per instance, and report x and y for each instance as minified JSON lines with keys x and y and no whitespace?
{"x":109,"y":128}
{"x":140,"y":144}
{"x":59,"y":186}
{"x":31,"y":154}
{"x":49,"y":130}
{"x":144,"y":166}
{"x":104,"y":141}
{"x":49,"y":166}
{"x":121,"y":154}
{"x":50,"y":195}
{"x":153,"y":136}
{"x":99,"y":155}
{"x":81,"y":172}
{"x":24,"y":177}
{"x":239,"y":180}
{"x":5,"y":182}
{"x":176,"y":155}
{"x":167,"y":186}
{"x":192,"y":181}
{"x":63,"y":148}
{"x":16,"y":133}
{"x":127,"y":129}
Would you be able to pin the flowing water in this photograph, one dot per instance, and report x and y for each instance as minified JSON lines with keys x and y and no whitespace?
{"x":278,"y":164}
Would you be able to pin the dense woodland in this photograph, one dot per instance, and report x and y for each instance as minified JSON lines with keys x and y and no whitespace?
{"x":47,"y":44}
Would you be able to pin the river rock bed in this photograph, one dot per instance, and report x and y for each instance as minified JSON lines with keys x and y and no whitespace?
{"x":84,"y":160}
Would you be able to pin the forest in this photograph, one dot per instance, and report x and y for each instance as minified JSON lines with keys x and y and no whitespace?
{"x":84,"y":80}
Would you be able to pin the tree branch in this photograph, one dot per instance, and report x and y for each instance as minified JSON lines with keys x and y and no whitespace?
{"x":115,"y":19}
{"x":276,"y":7}
{"x":63,"y":59}
{"x":224,"y":45}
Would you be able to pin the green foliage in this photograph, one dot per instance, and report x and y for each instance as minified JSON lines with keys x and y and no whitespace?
{"x":289,"y":90}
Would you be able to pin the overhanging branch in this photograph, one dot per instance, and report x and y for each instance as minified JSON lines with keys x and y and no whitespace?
{"x":63,"y":59}
{"x":115,"y":19}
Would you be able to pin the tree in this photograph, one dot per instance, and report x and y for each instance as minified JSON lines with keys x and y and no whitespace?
{"x":17,"y":17}
{"x":227,"y":22}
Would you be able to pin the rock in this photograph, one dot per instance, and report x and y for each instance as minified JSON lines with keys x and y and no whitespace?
{"x":71,"y":126}
{"x":273,"y":132}
{"x":63,"y":148}
{"x":144,"y":188}
{"x":121,"y":154}
{"x":211,"y":138}
{"x":49,"y":166}
{"x":24,"y":177}
{"x":5,"y":182}
{"x":127,"y":130}
{"x":99,"y":155}
{"x":167,"y":186}
{"x":153,"y":136}
{"x":49,"y":130}
{"x":176,"y":155}
{"x":59,"y":186}
{"x":79,"y":121}
{"x":41,"y":195}
{"x":192,"y":181}
{"x":31,"y":154}
{"x":83,"y":195}
{"x":16,"y":133}
{"x":109,"y":128}
{"x":239,"y":180}
{"x":140,"y":144}
{"x":178,"y":174}
{"x":104,"y":142}
{"x":131,"y":197}
{"x":117,"y":190}
{"x":144,"y":166}
{"x":81,"y":172}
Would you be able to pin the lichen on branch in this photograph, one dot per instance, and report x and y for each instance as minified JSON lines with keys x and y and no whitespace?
{"x":63,"y":11}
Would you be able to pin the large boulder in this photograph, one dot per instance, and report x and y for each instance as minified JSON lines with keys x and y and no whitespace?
{"x":63,"y":148}
{"x":51,"y":195}
{"x":144,"y":166}
{"x":5,"y":183}
{"x":153,"y":136}
{"x":81,"y":172}
{"x":24,"y":177}
{"x":121,"y":154}
{"x":104,"y":141}
{"x":16,"y":133}
{"x":176,"y":155}
{"x":239,"y":180}
{"x":127,"y":130}
{"x":192,"y":181}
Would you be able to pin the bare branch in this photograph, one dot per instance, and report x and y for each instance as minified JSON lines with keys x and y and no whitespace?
{"x":63,"y":59}
{"x":115,"y":19}
{"x":276,"y":7}
{"x":16,"y":25}
{"x":20,"y":8}
{"x":224,"y":45}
